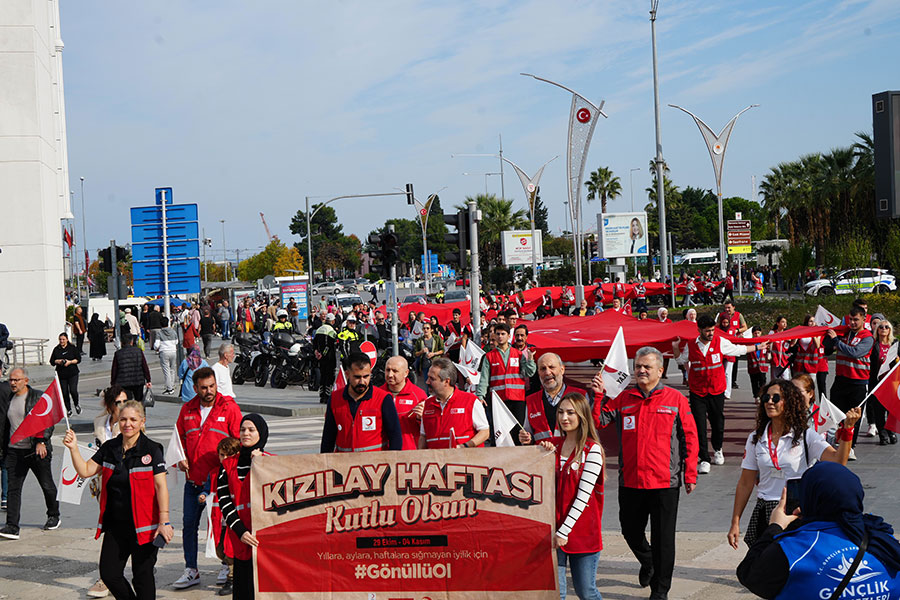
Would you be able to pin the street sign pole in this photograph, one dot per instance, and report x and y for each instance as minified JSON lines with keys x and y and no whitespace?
{"x":115,"y":278}
{"x":165,"y":248}
{"x":476,"y":273}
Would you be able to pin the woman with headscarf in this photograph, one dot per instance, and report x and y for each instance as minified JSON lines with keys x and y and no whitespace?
{"x":191,"y":363}
{"x":824,"y":545}
{"x":233,"y":493}
{"x":96,"y":332}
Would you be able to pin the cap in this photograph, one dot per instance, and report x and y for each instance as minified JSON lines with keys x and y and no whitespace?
{"x":329,"y":317}
{"x":352,"y":317}
{"x":878,"y":316}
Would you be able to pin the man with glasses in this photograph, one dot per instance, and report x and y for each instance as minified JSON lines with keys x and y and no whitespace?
{"x":658,"y":451}
{"x":29,"y":454}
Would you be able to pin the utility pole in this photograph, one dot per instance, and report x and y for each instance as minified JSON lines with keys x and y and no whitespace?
{"x":660,"y":188}
{"x":474,"y":218}
{"x":114,"y":264}
{"x":392,"y":298}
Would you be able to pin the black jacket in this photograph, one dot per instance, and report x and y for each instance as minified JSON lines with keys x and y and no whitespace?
{"x":32,"y":399}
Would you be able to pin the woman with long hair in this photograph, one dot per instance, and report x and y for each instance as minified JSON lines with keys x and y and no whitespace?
{"x":233,"y":492}
{"x":96,"y":332}
{"x":579,"y":495}
{"x":191,"y":363}
{"x":134,"y":503}
{"x":781,"y":448}
{"x":881,"y":353}
{"x":778,"y":350}
{"x":806,"y":351}
{"x":65,"y":357}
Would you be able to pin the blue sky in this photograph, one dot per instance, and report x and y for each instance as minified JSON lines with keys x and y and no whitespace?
{"x":248,"y":107}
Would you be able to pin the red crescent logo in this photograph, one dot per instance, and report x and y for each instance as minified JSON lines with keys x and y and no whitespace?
{"x":49,"y":404}
{"x":583,"y":115}
{"x":830,"y":319}
{"x":68,"y":481}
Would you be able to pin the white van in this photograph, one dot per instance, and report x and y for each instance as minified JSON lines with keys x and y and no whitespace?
{"x":104,"y":307}
{"x":695,"y":259}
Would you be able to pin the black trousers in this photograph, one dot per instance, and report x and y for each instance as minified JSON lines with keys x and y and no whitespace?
{"x":120,"y":543}
{"x":845,"y":394}
{"x":821,"y":382}
{"x":660,"y":507}
{"x":242,"y":585}
{"x":757,"y":380}
{"x":79,"y":343}
{"x":207,"y":340}
{"x":135,"y":391}
{"x":69,"y":387}
{"x":18,"y":463}
{"x":710,"y":407}
{"x":326,"y":379}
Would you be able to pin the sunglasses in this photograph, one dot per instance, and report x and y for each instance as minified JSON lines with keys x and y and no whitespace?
{"x":773,"y":398}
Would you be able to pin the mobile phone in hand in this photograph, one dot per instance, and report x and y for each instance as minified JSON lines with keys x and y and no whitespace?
{"x":792,"y":502}
{"x":159,"y":541}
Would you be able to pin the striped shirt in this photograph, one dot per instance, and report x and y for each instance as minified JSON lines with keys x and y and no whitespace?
{"x":593,"y":464}
{"x":226,"y":502}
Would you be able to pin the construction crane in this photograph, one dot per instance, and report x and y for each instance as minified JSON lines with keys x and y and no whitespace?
{"x":268,"y":233}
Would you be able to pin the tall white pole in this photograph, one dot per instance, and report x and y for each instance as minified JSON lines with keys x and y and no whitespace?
{"x":660,"y":188}
{"x":165,"y":242}
{"x":224,"y":251}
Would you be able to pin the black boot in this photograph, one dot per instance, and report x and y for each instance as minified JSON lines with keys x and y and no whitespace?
{"x":883,"y":439}
{"x":892,"y":437}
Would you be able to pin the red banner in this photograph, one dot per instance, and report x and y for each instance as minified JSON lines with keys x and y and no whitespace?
{"x":441,"y":524}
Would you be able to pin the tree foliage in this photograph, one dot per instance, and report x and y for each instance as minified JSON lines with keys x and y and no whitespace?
{"x":497,"y":215}
{"x":604,"y":186}
{"x":332,"y":249}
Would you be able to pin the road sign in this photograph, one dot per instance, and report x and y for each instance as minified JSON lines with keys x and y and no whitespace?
{"x":738,"y":232}
{"x":154,"y":250}
{"x":368,"y":348}
{"x":174,"y":231}
{"x":146,"y":215}
{"x":391,"y":297}
{"x":164,"y":193}
{"x":740,"y":249}
{"x":177,"y":285}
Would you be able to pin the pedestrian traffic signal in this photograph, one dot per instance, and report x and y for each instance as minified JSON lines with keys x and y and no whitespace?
{"x":459,"y":241}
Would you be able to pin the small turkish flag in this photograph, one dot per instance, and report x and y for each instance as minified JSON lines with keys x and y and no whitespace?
{"x":888,"y":393}
{"x":48,"y":411}
{"x":67,"y":236}
{"x":341,"y":381}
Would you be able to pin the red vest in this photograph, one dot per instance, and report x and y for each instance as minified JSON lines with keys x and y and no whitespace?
{"x":779,"y":353}
{"x":823,"y":360}
{"x":144,"y":506}
{"x":618,"y":290}
{"x":534,"y":404}
{"x":405,"y":401}
{"x":706,"y":376}
{"x":586,"y":533}
{"x":506,"y":379}
{"x":451,"y":426}
{"x":807,"y":359}
{"x":240,"y":495}
{"x":727,"y":359}
{"x":640,"y":291}
{"x":363,"y":433}
{"x":853,"y":368}
{"x":757,"y":362}
{"x":215,"y":513}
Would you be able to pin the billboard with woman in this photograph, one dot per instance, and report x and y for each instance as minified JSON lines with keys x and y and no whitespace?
{"x":623,"y":234}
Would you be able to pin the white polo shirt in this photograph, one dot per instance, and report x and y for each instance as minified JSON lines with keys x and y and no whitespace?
{"x":791,"y":460}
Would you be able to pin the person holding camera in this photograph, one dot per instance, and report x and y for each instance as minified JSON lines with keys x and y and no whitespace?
{"x":778,"y":451}
{"x":134,"y":503}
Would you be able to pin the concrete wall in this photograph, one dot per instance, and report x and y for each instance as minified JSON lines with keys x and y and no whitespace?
{"x":33,"y":171}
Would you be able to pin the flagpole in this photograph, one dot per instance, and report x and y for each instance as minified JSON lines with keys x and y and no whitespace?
{"x":879,"y":384}
{"x":59,"y":393}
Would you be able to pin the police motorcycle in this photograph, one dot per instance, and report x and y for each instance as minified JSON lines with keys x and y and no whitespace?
{"x":294,"y":360}
{"x":384,"y":355}
{"x":248,"y":344}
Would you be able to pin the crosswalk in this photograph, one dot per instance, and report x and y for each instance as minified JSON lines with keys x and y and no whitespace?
{"x":287,"y":435}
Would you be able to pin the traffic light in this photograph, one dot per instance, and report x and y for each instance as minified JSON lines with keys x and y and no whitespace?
{"x":106,"y":264}
{"x":459,"y":241}
{"x":410,"y":197}
{"x":384,"y":251}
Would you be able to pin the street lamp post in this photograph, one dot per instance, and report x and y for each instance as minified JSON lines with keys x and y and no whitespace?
{"x":631,"y":177}
{"x":224,"y":251}
{"x":716,"y":143}
{"x":486,"y":175}
{"x":660,"y":188}
{"x":530,"y":184}
{"x":498,"y":156}
{"x":83,"y":242}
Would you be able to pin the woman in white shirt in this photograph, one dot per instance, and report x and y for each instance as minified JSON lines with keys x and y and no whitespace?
{"x":780,"y":449}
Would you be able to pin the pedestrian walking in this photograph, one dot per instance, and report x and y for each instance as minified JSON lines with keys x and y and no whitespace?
{"x":129,"y":369}
{"x":207,"y":330}
{"x":853,"y":351}
{"x":778,"y":353}
{"x":757,"y":366}
{"x":881,"y":354}
{"x":541,"y":406}
{"x":134,"y":505}
{"x":223,"y":370}
{"x":506,"y":370}
{"x":96,"y":333}
{"x":79,"y":329}
{"x":223,"y":313}
{"x":166,"y":344}
{"x":154,"y":324}
{"x":325,"y":344}
{"x":65,"y":357}
{"x":409,"y":399}
{"x":186,"y":369}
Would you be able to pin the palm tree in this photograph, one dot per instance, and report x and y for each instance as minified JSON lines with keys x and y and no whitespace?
{"x":603,"y":185}
{"x":497,"y":215}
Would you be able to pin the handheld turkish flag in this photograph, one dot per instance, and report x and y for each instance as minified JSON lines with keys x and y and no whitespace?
{"x":615,"y":368}
{"x":175,"y":450}
{"x":48,"y":411}
{"x":825,"y":319}
{"x":626,"y":309}
{"x":888,"y":392}
{"x":368,"y":348}
{"x":825,"y":416}
{"x":341,"y":381}
{"x":67,"y":237}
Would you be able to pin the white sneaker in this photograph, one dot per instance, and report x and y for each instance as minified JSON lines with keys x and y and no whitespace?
{"x":852,"y":454}
{"x":189,"y":578}
{"x":222,"y":577}
{"x":703,"y":467}
{"x":873,"y":430}
{"x":718,"y":458}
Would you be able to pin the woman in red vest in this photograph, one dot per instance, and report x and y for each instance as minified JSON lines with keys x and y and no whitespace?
{"x":781,"y":366}
{"x":806,"y":356}
{"x":134,"y":503}
{"x":579,"y":495}
{"x":233,"y":492}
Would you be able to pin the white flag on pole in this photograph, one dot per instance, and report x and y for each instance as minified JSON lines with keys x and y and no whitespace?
{"x":888,"y":360}
{"x":471,"y":355}
{"x":472,"y":376}
{"x":210,"y":551}
{"x":825,"y":319}
{"x":71,"y":486}
{"x":826,"y":416}
{"x":504,"y":422}
{"x":616,"y":375}
{"x":174,"y":451}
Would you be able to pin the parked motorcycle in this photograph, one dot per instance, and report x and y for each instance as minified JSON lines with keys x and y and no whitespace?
{"x":384,"y":355}
{"x":248,"y":345}
{"x":294,"y":361}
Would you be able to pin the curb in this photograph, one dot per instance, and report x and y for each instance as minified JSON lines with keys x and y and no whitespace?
{"x":263,"y":409}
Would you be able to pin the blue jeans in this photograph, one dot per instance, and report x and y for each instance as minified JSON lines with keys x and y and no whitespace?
{"x":584,"y":574}
{"x":224,"y":326}
{"x":193,"y":512}
{"x":4,"y":480}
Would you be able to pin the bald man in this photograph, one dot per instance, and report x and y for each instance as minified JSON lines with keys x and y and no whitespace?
{"x":409,"y":399}
{"x":540,"y":414}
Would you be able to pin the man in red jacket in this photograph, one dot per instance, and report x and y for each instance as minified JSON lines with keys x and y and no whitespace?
{"x":202,"y":422}
{"x":658,"y":450}
{"x":409,"y":399}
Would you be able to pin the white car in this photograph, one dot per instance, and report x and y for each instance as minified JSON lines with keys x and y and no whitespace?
{"x":853,"y":281}
{"x":345,"y":301}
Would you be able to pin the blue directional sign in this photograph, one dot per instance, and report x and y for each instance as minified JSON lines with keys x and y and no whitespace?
{"x":182,"y":247}
{"x":147,"y":215}
{"x":154,"y":250}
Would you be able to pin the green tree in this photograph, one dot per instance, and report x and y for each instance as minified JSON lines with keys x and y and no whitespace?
{"x":262,"y":264}
{"x":794,"y":262}
{"x":497,"y":215}
{"x":324,"y":228}
{"x":541,"y":216}
{"x":603,"y":185}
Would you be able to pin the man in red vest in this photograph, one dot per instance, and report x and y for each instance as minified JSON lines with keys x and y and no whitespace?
{"x":360,"y":418}
{"x":851,"y":365}
{"x":736,"y":326}
{"x":704,"y":358}
{"x":205,"y":420}
{"x":540,"y":416}
{"x":506,"y":370}
{"x":409,"y":399}
{"x":452,"y":418}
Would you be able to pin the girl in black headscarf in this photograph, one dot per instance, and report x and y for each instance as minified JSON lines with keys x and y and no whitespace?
{"x":233,"y":491}
{"x":808,"y":553}
{"x":96,"y":332}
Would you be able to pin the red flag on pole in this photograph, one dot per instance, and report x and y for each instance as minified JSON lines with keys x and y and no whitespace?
{"x":67,"y":236}
{"x":888,"y":392}
{"x":48,"y":411}
{"x":341,"y":381}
